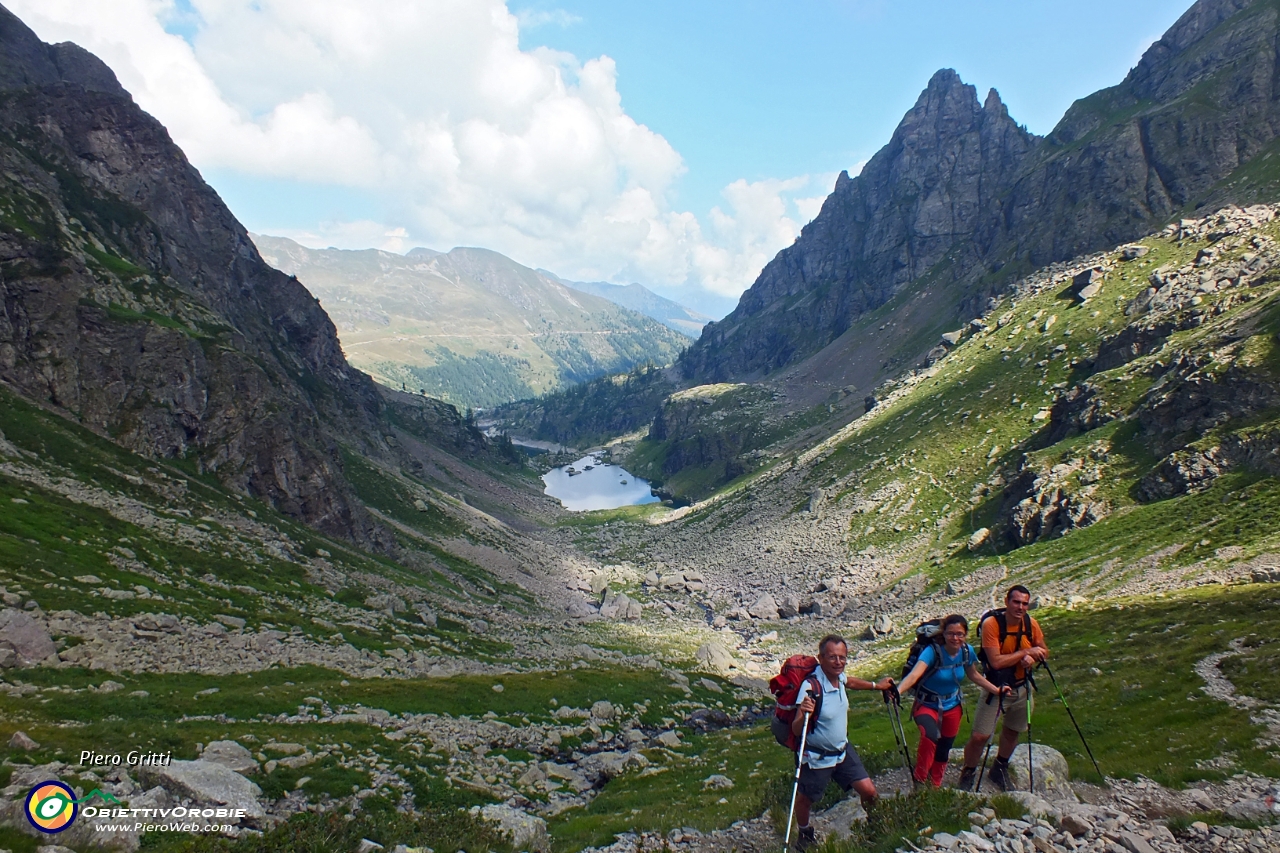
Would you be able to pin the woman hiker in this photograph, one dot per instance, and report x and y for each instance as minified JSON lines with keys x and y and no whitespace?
{"x":937,"y":677}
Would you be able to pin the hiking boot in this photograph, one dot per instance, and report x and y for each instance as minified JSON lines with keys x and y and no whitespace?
{"x":999,"y":775}
{"x":968,"y":776}
{"x":806,"y":839}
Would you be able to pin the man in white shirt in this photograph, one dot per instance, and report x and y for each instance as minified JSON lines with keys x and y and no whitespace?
{"x":828,"y":755}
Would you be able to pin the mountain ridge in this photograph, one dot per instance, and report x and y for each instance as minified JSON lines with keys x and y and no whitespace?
{"x":637,"y":297}
{"x":470,"y":326}
{"x":1115,"y":168}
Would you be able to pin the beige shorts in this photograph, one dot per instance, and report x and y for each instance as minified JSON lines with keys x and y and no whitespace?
{"x":1015,"y":711}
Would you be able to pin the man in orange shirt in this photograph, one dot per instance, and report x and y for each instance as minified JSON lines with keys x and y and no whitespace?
{"x":1012,"y":644}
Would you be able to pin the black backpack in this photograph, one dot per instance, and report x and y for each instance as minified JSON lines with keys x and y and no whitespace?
{"x":1000,"y":677}
{"x":928,"y":633}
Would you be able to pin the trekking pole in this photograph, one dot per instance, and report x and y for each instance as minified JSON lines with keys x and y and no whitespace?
{"x":804,"y":734}
{"x":1045,"y":664}
{"x":899,"y":733}
{"x":1031,"y":773}
{"x":987,"y":752}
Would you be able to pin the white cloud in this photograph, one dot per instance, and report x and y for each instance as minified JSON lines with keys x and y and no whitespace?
{"x":532,"y":19}
{"x":431,"y":108}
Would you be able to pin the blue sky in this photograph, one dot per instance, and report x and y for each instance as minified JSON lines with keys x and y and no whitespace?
{"x":769,"y":89}
{"x":678,"y":144}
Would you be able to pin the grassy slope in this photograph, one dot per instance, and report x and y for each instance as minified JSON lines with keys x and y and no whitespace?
{"x":195,"y":544}
{"x":945,"y":437}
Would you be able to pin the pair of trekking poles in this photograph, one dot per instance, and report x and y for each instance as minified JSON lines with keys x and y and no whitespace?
{"x":1031,"y":773}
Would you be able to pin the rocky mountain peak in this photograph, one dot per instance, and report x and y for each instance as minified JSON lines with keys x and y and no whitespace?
{"x":892,"y":223}
{"x":993,"y":105}
{"x":26,"y":61}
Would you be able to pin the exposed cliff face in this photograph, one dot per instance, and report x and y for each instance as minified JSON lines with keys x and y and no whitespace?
{"x":132,"y":300}
{"x":919,"y":198}
{"x":961,"y":192}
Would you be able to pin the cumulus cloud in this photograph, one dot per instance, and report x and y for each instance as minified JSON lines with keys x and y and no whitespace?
{"x":533,"y":18}
{"x":432,"y":109}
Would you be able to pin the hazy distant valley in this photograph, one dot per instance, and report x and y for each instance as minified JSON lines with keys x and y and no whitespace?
{"x":471,"y":327}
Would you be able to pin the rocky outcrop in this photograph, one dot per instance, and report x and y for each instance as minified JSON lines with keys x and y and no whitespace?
{"x":962,"y":192}
{"x":1191,"y":470}
{"x":1042,"y":504}
{"x":1183,"y":472}
{"x":1197,"y":394}
{"x":1077,"y":411}
{"x":1134,"y":341}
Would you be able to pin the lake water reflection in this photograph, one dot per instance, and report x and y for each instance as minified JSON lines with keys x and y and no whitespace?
{"x":603,"y":487}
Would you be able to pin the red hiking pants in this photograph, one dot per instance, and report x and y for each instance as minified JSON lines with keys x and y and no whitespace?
{"x":938,"y":730}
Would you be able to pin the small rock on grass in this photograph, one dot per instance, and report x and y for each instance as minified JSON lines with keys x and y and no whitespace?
{"x":230,"y":754}
{"x":21,"y":740}
{"x":669,"y":739}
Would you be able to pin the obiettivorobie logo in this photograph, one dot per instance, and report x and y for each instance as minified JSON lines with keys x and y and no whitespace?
{"x":52,"y":806}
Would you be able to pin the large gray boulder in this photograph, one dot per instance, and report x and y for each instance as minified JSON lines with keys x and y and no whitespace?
{"x":620,"y":606}
{"x":207,"y":784}
{"x":1051,"y":772}
{"x":578,"y":608}
{"x":715,"y":656}
{"x":523,"y":830}
{"x":25,"y":636}
{"x":764,"y":608}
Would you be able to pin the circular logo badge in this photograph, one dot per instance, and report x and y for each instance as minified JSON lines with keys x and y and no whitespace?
{"x":51,"y":807}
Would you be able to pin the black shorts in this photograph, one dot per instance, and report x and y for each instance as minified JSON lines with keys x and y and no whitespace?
{"x":813,"y":783}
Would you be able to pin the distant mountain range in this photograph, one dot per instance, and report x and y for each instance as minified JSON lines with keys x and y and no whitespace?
{"x":637,"y":297}
{"x":470,"y":326}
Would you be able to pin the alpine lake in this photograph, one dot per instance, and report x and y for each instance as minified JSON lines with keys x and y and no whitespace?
{"x":589,"y":484}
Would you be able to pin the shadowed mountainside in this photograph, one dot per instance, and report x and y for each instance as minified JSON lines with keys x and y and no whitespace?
{"x":132,"y":301}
